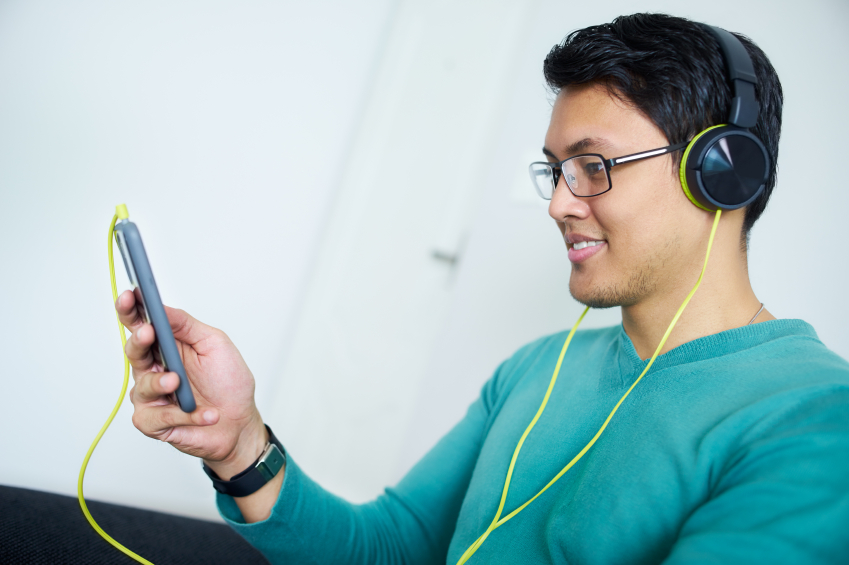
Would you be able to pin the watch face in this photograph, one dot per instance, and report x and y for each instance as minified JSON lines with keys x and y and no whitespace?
{"x":271,"y":462}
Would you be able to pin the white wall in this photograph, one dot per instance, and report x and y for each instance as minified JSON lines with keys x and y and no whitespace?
{"x":233,"y":132}
{"x":378,"y":299}
{"x":224,"y":127}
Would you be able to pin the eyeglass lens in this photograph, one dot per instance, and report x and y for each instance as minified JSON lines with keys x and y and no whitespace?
{"x":585,"y":175}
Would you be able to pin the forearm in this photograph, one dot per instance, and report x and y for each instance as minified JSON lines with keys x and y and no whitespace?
{"x":309,"y":525}
{"x":411,"y":523}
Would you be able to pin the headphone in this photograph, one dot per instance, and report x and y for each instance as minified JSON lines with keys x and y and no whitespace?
{"x":726,"y":166}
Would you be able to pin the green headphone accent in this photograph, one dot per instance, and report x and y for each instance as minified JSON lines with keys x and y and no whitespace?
{"x":682,"y":169}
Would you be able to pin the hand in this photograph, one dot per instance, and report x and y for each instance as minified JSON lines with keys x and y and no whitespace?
{"x":226,"y":429}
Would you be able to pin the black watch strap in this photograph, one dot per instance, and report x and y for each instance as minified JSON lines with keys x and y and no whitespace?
{"x":265,"y":468}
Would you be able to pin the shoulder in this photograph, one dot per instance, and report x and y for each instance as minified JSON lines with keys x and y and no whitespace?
{"x":792,"y":356}
{"x":771,"y":356}
{"x":787,"y":394}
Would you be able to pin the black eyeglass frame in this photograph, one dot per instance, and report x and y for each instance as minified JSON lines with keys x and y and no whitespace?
{"x":557,"y":168}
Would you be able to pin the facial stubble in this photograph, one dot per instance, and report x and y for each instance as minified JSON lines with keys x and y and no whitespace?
{"x":640,"y":282}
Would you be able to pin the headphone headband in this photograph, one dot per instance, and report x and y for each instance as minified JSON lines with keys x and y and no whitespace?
{"x":726,"y":166}
{"x":744,"y":106}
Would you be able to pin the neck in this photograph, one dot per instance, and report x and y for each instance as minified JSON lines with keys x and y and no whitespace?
{"x":724,"y":300}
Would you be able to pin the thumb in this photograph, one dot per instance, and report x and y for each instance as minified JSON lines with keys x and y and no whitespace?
{"x":186,"y":328}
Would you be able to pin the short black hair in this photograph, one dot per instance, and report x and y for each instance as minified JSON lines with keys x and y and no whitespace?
{"x":672,"y":70}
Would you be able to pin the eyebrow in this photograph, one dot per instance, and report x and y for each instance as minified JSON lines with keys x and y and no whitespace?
{"x":579,"y":146}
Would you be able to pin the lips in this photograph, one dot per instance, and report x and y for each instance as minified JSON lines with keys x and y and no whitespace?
{"x":582,"y":247}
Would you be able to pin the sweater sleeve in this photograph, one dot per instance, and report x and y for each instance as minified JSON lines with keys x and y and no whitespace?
{"x":783,"y":495}
{"x":411,"y":523}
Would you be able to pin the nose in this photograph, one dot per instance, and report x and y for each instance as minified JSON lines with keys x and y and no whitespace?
{"x":564,"y":204}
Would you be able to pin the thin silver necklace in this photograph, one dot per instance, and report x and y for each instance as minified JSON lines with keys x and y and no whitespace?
{"x":756,"y":315}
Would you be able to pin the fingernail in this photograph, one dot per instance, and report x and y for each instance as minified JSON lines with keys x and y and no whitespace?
{"x":209,"y":416}
{"x":163,"y":381}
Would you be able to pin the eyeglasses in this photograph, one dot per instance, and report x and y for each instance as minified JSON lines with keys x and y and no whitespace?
{"x":588,"y":174}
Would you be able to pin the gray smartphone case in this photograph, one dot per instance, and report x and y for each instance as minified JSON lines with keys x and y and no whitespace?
{"x":144,"y":287}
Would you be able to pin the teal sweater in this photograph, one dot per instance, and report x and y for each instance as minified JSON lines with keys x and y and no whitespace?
{"x":734,"y":448}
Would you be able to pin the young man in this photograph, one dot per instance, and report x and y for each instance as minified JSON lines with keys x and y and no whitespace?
{"x":734,"y":447}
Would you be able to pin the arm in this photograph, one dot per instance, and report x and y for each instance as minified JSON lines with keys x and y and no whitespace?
{"x":410,"y":523}
{"x":291,"y":519}
{"x":783,"y":497}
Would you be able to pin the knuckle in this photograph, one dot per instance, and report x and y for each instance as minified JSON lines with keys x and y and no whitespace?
{"x":133,"y":350}
{"x":221,"y":335}
{"x":152,"y":386}
{"x":143,"y":387}
{"x":138,"y":421}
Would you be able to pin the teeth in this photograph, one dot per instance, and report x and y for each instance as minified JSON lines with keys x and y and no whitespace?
{"x":582,"y":244}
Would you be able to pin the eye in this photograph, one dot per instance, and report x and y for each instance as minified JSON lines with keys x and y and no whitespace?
{"x":593,"y":168}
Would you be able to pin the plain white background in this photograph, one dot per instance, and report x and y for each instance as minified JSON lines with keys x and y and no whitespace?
{"x":293,"y":168}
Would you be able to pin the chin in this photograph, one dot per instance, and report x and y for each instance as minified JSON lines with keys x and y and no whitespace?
{"x":610,"y":294}
{"x":598,"y":300}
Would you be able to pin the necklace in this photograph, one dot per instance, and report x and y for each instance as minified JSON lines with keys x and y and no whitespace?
{"x":756,"y":315}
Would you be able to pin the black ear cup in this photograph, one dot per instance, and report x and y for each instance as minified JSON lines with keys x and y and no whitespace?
{"x":724,"y":167}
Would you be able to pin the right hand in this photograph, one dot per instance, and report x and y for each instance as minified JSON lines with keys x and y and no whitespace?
{"x":226,"y":429}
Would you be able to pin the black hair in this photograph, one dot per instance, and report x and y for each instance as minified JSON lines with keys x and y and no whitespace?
{"x":672,"y":70}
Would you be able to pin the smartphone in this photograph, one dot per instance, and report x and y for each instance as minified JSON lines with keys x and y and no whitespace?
{"x":150,"y":305}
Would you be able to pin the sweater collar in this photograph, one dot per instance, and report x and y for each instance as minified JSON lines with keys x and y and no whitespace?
{"x":712,"y":346}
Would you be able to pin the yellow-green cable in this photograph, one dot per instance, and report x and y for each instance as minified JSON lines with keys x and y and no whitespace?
{"x":120,"y":212}
{"x":474,"y":547}
{"x":498,"y":521}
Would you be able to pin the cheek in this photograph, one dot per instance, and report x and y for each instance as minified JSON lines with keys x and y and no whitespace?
{"x":645,"y":218}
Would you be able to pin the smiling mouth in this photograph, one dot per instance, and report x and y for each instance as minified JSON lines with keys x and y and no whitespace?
{"x":582,"y":244}
{"x":581,"y":251}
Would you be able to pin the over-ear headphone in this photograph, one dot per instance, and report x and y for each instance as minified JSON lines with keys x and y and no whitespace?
{"x":726,"y":166}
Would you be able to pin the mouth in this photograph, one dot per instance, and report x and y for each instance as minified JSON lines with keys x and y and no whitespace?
{"x":580,"y":251}
{"x":581,"y":244}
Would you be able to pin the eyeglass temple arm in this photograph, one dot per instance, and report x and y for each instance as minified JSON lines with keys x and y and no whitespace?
{"x":646,"y":154}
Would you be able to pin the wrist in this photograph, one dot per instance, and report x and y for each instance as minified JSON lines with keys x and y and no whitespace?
{"x":249,"y":446}
{"x":256,"y":478}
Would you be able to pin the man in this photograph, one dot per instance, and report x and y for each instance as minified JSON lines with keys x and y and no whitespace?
{"x":734,"y":447}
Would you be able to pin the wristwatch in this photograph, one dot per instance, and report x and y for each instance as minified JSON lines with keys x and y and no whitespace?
{"x":270,"y":461}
